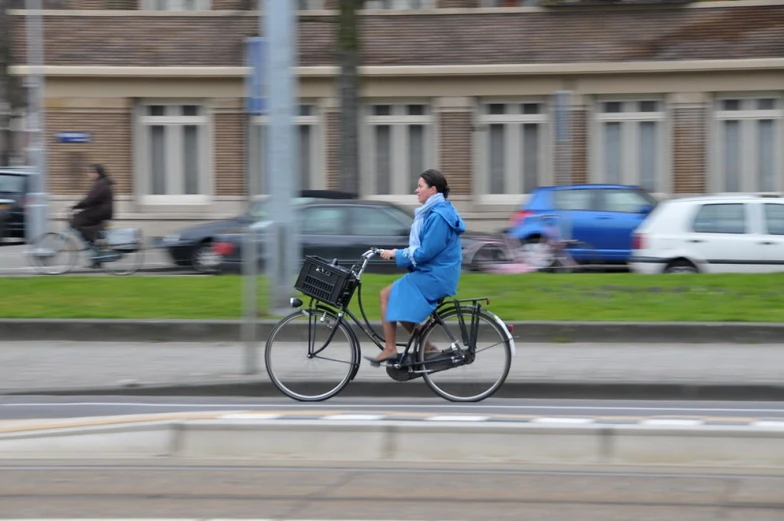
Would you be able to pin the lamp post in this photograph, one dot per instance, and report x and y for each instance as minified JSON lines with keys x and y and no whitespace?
{"x":282,"y":161}
{"x":271,"y":90}
{"x":36,"y":210}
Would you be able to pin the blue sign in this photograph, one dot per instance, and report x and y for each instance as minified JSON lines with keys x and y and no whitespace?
{"x":74,"y":137}
{"x":255,"y":60}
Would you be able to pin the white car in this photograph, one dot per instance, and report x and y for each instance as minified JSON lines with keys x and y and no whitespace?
{"x":711,"y":234}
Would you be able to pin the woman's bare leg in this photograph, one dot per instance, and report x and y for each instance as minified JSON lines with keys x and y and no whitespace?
{"x":389,"y":328}
{"x":410,"y":328}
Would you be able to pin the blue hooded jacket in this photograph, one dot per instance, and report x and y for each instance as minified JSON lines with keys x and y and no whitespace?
{"x":434,"y":269}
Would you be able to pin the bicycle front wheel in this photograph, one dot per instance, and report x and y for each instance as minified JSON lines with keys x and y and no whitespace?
{"x":310,"y":356}
{"x":54,"y":253}
{"x":460,"y":374}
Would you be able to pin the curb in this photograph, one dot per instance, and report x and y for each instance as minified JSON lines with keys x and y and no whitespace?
{"x":257,"y":388}
{"x":402,"y":441}
{"x":153,"y":330}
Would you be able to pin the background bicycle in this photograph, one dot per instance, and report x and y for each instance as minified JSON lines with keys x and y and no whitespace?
{"x":121,"y":251}
{"x":463,"y":351}
{"x":551,"y":251}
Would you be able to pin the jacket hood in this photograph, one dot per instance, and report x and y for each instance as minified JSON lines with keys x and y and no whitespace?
{"x":450,"y":215}
{"x":105,"y":179}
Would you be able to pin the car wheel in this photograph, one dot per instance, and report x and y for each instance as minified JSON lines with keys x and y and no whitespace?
{"x":203,"y":259}
{"x":681,"y":267}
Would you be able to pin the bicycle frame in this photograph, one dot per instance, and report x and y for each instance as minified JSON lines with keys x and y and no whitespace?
{"x":469,"y":334}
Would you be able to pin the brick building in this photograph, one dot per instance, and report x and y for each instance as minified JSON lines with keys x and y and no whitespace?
{"x":681,"y":98}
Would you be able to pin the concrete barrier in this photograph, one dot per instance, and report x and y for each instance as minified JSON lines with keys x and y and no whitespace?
{"x":101,"y":330}
{"x":421,"y":442}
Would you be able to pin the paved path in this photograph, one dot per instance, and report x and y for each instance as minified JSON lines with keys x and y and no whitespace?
{"x":156,"y":262}
{"x":29,"y":366}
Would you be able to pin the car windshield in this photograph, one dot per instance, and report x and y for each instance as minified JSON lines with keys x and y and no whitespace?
{"x":11,"y":183}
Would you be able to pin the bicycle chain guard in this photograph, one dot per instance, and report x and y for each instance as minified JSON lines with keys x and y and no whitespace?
{"x":410,"y":372}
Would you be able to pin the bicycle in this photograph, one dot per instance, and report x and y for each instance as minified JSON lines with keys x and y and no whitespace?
{"x":331,"y":288}
{"x":547,"y":252}
{"x":114,"y":245}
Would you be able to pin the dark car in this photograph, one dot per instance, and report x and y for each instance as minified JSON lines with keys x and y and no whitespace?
{"x":340,"y":230}
{"x":192,"y":246}
{"x":15,"y":185}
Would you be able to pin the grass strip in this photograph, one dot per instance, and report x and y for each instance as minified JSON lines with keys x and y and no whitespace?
{"x":538,"y":296}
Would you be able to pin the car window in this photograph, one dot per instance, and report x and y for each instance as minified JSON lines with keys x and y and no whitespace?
{"x":721,"y":218}
{"x":774,"y":218}
{"x":11,"y":183}
{"x":323,"y":220}
{"x":378,"y":221}
{"x":574,"y":199}
{"x":626,"y":201}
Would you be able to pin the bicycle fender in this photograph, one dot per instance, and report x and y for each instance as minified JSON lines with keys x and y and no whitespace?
{"x":506,"y":330}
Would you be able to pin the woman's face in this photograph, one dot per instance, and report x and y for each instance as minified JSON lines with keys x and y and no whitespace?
{"x":423,"y":191}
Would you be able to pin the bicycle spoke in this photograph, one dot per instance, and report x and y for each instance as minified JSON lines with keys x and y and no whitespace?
{"x":332,"y":359}
{"x":298,"y":369}
{"x":474,"y":376}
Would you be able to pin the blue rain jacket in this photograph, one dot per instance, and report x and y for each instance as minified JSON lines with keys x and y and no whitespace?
{"x":435,"y":269}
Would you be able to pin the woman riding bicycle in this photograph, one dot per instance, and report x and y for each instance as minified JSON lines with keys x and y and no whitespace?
{"x":433,"y":259}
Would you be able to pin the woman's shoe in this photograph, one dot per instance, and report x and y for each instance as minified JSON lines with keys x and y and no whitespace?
{"x":377,"y":362}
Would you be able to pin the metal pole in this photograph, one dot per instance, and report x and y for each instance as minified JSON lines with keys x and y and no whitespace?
{"x":36,"y":211}
{"x":280,"y":30}
{"x":250,"y":286}
{"x":250,"y":247}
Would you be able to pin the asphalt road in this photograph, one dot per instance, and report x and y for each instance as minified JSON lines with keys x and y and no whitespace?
{"x":43,"y":407}
{"x":156,"y":262}
{"x":160,"y":489}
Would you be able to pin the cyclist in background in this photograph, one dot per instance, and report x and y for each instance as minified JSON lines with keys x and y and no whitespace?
{"x":95,"y":209}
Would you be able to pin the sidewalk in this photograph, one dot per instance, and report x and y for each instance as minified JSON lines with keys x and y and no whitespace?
{"x":752,"y":371}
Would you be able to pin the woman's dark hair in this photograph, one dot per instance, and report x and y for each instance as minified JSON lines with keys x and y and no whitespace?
{"x":435,"y":178}
{"x":99,"y":169}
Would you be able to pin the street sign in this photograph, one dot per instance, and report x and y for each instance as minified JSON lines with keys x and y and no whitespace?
{"x":74,"y":137}
{"x":255,"y":58}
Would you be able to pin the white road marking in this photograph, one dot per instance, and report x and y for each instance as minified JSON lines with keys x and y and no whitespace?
{"x":397,"y":406}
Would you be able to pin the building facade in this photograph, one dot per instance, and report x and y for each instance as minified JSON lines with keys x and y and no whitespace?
{"x":683,"y":98}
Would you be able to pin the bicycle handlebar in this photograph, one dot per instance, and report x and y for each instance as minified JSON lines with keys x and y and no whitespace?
{"x":372,"y":252}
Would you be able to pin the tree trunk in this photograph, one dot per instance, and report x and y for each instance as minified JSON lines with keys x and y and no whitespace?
{"x":349,"y":57}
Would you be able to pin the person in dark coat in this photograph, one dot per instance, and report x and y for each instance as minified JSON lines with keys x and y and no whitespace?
{"x":96,"y":208}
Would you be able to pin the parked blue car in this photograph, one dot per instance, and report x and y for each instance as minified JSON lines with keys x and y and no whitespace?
{"x":601,"y":218}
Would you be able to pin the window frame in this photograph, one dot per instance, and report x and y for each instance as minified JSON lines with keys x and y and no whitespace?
{"x":142,"y":154}
{"x":378,"y":5}
{"x":174,"y":5}
{"x":716,"y":181}
{"x":630,"y":140}
{"x":513,"y":157}
{"x":399,"y":190}
{"x":318,"y":144}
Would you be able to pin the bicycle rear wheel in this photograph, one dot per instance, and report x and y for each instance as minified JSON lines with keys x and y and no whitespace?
{"x":457,"y":374}
{"x":122,"y":262}
{"x":310,"y":357}
{"x":54,"y":253}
